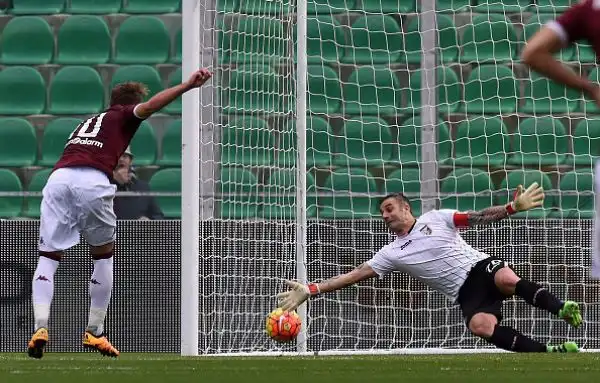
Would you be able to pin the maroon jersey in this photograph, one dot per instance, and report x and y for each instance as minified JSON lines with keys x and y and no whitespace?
{"x":99,"y":141}
{"x":580,"y":22}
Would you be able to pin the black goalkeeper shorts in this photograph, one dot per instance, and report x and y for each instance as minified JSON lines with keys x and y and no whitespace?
{"x":479,"y":293}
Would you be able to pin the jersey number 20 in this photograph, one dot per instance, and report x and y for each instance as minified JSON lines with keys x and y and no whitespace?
{"x":83,"y":130}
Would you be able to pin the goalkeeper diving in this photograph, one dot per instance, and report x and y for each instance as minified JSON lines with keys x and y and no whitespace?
{"x":430,"y":249}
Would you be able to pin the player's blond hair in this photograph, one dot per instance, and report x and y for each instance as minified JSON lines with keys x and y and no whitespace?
{"x":128,"y":93}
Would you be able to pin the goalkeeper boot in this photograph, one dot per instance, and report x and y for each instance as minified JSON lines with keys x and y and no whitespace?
{"x":570,"y":313}
{"x":38,"y":341}
{"x":565,"y":347}
{"x":100,"y":344}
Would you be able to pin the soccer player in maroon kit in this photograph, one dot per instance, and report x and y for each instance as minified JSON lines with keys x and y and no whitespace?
{"x":78,"y":199}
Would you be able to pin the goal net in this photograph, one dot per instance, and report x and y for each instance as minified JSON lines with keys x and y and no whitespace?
{"x":443,"y":111}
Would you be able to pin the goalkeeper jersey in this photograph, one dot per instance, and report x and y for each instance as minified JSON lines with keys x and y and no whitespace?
{"x":432,"y":252}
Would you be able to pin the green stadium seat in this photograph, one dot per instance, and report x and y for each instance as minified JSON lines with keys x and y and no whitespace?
{"x":258,"y":40}
{"x":481,"y":141}
{"x":447,"y":41}
{"x":526,"y":177}
{"x":177,"y":45}
{"x":405,"y":180}
{"x":372,"y":90}
{"x":93,"y":7}
{"x":143,"y":145}
{"x":36,"y":184}
{"x":374,"y":39}
{"x":453,"y":6}
{"x":23,"y":91}
{"x":388,"y":6}
{"x":175,"y":107}
{"x":84,"y":40}
{"x":280,"y":195}
{"x":227,"y":6}
{"x":543,"y":96}
{"x":168,"y":181}
{"x":253,"y":88}
{"x":248,"y":141}
{"x":132,"y":41}
{"x":589,"y":106}
{"x":330,"y":6}
{"x":18,"y":143}
{"x":491,"y":38}
{"x":553,"y":7}
{"x":27,"y":40}
{"x":324,"y":39}
{"x":265,"y":7}
{"x":585,"y":54}
{"x":408,"y":150}
{"x":586,"y":142}
{"x":576,"y":196}
{"x":320,"y":144}
{"x":324,"y":90}
{"x":540,"y":141}
{"x":144,"y":74}
{"x":491,"y":89}
{"x":10,"y":207}
{"x":239,"y":187}
{"x":501,"y":6}
{"x":171,"y":145}
{"x":37,"y":7}
{"x":151,"y":6}
{"x":533,"y":25}
{"x":472,"y":189}
{"x":341,"y":205}
{"x":364,"y":142}
{"x":76,"y":90}
{"x":448,"y":90}
{"x":54,"y":139}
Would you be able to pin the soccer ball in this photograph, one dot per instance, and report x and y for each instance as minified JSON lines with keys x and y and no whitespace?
{"x":283,"y":326}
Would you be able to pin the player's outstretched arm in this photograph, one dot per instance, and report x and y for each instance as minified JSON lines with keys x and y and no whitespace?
{"x":299,"y":293}
{"x":164,"y":98}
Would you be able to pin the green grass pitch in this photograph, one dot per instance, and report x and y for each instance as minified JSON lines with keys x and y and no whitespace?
{"x":155,"y":368}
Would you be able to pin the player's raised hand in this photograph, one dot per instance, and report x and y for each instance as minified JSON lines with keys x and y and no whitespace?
{"x":291,"y":299}
{"x":198,"y":78}
{"x":531,"y":198}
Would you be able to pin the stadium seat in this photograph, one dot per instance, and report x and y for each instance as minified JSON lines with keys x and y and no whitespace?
{"x":472,"y":189}
{"x":84,"y":40}
{"x":280,"y":195}
{"x":501,"y":6}
{"x":174,"y":78}
{"x":543,"y":96}
{"x":363,"y":142}
{"x":37,"y":7}
{"x":540,"y":141}
{"x":54,"y":139}
{"x":10,"y":207}
{"x":247,"y":141}
{"x":533,"y":25}
{"x":265,"y":7}
{"x":324,"y":39}
{"x":171,"y":145}
{"x":93,"y":7}
{"x":491,"y":38}
{"x":340,"y":205}
{"x":150,"y":6}
{"x":145,"y":74}
{"x":76,"y":90}
{"x":447,"y":41}
{"x":448,"y":91}
{"x":453,"y":6}
{"x":372,"y":90}
{"x":329,"y":7}
{"x":253,"y":88}
{"x":32,"y":204}
{"x":320,"y":144}
{"x":177,"y":46}
{"x":167,"y":180}
{"x":405,"y":180}
{"x":23,"y":91}
{"x":517,"y":177}
{"x":374,"y":39}
{"x":481,"y":141}
{"x":491,"y":89}
{"x":388,"y":6}
{"x":589,"y":106}
{"x":585,"y":53}
{"x":239,"y":187}
{"x":132,"y":41}
{"x":553,"y":7}
{"x":576,"y":196}
{"x":324,"y":90}
{"x":143,"y":145}
{"x":18,"y":143}
{"x":27,"y":40}
{"x":227,"y":6}
{"x":408,"y":150}
{"x":586,"y":142}
{"x":258,"y":40}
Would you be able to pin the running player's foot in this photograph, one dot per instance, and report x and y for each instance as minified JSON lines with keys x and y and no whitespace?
{"x":565,"y":347}
{"x":570,"y":313}
{"x":38,"y":341}
{"x":100,"y":344}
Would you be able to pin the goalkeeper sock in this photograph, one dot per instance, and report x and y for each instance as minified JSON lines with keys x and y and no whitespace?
{"x":538,"y":296}
{"x":508,"y":338}
{"x":42,"y":288}
{"x":100,"y":292}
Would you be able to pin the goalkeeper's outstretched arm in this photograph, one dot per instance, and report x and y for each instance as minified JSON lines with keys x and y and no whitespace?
{"x":291,"y":299}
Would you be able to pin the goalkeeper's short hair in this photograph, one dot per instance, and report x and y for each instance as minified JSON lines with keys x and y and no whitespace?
{"x":399,"y":196}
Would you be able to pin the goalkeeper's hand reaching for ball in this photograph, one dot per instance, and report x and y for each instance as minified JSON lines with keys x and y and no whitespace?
{"x":528,"y":199}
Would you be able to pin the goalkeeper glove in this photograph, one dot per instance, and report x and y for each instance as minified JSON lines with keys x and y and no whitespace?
{"x":299,"y":293}
{"x":529,"y":199}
